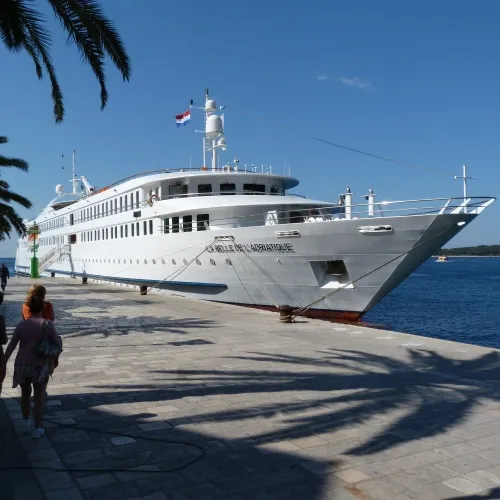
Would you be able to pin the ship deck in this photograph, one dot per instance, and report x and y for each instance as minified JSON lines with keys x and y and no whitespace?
{"x":258,"y":409}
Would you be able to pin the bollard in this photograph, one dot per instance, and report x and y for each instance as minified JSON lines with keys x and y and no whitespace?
{"x":52,"y":274}
{"x":285,"y":314}
{"x":84,"y":280}
{"x":144,"y":290}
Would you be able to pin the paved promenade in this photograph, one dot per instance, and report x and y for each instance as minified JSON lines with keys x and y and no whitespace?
{"x":167,"y":398}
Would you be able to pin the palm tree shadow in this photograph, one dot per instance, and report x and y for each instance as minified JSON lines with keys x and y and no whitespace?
{"x":492,"y":494}
{"x":421,"y":398}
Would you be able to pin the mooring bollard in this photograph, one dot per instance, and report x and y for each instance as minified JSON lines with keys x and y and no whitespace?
{"x":52,"y":275}
{"x":285,"y":314}
{"x":144,"y":290}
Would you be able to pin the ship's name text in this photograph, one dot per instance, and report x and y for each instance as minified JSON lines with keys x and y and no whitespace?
{"x":252,"y":247}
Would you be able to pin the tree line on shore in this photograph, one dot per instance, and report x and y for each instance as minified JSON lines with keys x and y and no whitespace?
{"x":479,"y":250}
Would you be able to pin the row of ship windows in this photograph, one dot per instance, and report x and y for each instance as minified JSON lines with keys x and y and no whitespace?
{"x":127,"y":202}
{"x":115,"y":206}
{"x":138,"y":261}
{"x":174,"y":225}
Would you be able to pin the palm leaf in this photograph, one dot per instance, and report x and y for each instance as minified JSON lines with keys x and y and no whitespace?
{"x":22,"y":27}
{"x":93,"y":34}
{"x":9,"y":196}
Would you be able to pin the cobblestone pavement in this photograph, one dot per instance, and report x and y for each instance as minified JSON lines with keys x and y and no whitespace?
{"x":167,"y":398}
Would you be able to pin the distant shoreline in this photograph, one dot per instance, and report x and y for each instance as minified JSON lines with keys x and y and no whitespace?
{"x":468,"y":256}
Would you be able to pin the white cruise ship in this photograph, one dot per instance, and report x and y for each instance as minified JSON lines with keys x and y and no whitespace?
{"x":237,"y":235}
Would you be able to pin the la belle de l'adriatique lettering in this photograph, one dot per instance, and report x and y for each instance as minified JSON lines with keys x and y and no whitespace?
{"x":253,"y":247}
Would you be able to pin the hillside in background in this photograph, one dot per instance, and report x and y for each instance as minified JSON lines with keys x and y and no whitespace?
{"x":480,"y":250}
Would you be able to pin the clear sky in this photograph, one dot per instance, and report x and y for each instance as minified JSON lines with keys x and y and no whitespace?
{"x":417,"y":81}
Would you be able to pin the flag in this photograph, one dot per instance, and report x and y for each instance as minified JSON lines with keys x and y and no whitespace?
{"x":183,"y":119}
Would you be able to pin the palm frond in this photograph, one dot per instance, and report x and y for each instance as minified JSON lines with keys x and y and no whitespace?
{"x":10,"y":220}
{"x":93,"y":34}
{"x":22,"y":27}
{"x":10,"y":196}
{"x":14,"y":162}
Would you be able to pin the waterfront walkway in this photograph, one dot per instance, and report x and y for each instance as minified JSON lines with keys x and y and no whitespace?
{"x":200,"y":401}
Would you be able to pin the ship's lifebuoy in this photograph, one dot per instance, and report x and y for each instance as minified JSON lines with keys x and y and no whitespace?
{"x":152,"y":199}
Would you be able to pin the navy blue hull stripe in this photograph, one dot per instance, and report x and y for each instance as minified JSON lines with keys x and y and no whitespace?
{"x":132,"y":281}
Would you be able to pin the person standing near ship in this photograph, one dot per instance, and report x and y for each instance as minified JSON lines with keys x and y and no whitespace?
{"x":4,"y":276}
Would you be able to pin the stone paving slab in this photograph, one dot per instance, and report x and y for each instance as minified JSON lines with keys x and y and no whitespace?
{"x":162,"y":397}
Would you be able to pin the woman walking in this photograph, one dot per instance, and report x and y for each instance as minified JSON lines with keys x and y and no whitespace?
{"x":39,"y":347}
{"x":48,"y":309}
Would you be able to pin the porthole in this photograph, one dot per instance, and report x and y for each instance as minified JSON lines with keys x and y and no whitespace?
{"x":198,"y":262}
{"x":229,"y":263}
{"x":212,"y":261}
{"x":163,"y":261}
{"x":173,"y":262}
{"x":185,"y":262}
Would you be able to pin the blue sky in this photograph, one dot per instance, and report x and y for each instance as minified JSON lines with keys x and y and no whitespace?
{"x":414,"y":81}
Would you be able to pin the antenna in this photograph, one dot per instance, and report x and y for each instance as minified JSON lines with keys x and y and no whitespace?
{"x":464,"y":178}
{"x":74,"y":180}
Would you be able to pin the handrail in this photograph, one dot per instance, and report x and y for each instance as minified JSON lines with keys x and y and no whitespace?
{"x":381,"y":209}
{"x":182,"y":170}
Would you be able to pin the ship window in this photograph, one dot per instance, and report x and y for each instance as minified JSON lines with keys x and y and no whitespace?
{"x":174,"y":191}
{"x":137,"y":199}
{"x":204,"y":189}
{"x":166,"y":225}
{"x":137,"y":227}
{"x":116,"y":232}
{"x":254,"y":188}
{"x":121,"y":231}
{"x":111,"y":233}
{"x":228,"y":188}
{"x":151,"y":226}
{"x":106,"y":213}
{"x":187,"y":223}
{"x":116,"y":206}
{"x":132,"y":229}
{"x":296,"y":216}
{"x":107,"y":234}
{"x":175,"y":224}
{"x":125,"y":202}
{"x":71,"y":219}
{"x":121,"y":204}
{"x":145,"y":228}
{"x":202,"y":222}
{"x":126,"y":230}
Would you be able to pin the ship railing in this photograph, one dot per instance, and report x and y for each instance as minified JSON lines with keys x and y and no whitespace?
{"x":302,"y":213}
{"x":51,"y":256}
{"x":239,"y":170}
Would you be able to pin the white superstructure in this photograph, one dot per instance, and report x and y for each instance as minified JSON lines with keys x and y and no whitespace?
{"x":235,"y":234}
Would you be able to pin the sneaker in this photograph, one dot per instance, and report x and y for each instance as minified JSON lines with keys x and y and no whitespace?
{"x":38,"y":432}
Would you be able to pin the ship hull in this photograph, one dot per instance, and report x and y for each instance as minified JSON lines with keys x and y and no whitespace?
{"x":331,"y":268}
